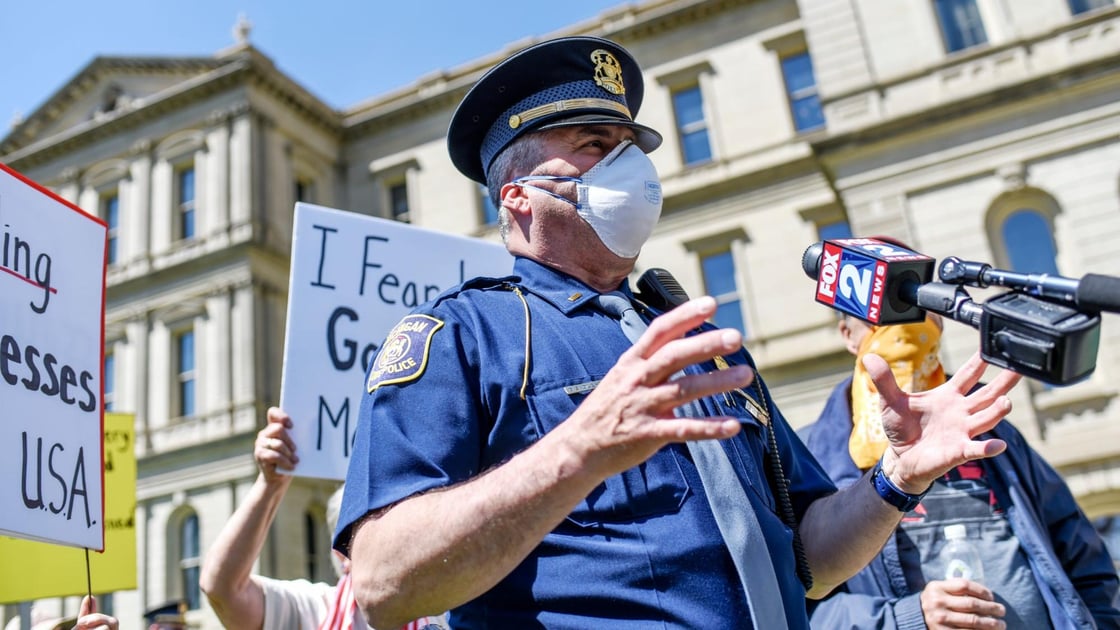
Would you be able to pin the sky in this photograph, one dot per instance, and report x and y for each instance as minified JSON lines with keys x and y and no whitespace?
{"x":343,"y":51}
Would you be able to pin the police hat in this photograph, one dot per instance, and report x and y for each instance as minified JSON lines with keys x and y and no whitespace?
{"x":561,"y":82}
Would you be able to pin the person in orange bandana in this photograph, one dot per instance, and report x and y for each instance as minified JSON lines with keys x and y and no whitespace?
{"x":246,"y":601}
{"x":1044,"y":564}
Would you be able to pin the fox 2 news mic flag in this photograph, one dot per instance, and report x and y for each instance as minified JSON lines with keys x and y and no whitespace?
{"x":868,"y":279}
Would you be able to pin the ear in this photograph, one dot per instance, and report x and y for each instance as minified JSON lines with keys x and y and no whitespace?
{"x":515,"y":199}
{"x":343,"y":561}
{"x":848,"y":332}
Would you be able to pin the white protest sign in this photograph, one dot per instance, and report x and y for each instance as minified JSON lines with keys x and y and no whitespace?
{"x":52,"y":304}
{"x":352,"y":278}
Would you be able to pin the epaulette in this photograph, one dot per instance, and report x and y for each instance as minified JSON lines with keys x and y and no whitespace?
{"x":481,"y":283}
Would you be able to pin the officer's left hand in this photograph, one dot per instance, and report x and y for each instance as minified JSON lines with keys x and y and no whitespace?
{"x":932,"y":432}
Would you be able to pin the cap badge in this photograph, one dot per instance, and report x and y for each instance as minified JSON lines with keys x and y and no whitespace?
{"x":608,"y":72}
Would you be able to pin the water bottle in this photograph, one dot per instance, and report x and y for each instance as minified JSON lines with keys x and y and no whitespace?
{"x":960,"y":557}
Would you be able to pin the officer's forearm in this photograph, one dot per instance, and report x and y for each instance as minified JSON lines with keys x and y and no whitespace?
{"x":842,"y":533}
{"x":435,"y":551}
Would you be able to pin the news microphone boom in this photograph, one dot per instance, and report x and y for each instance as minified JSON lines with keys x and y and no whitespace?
{"x":1093,"y":292}
{"x":1033,"y":335}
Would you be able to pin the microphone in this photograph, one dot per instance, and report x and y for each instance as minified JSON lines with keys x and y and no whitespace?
{"x":1094,"y":292}
{"x":1033,"y":335}
{"x":869,"y":279}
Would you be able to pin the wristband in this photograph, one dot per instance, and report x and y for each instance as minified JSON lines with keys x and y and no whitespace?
{"x":891,"y":493}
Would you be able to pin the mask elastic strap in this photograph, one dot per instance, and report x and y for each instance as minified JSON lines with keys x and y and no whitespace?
{"x":521,"y":181}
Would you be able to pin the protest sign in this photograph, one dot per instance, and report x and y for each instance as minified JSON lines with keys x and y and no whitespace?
{"x":352,"y":278}
{"x":34,"y":570}
{"x":52,"y":304}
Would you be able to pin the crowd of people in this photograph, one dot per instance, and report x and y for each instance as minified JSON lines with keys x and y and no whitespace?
{"x":571,"y":453}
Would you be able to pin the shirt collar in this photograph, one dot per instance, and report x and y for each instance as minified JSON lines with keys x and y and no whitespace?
{"x":558,"y":288}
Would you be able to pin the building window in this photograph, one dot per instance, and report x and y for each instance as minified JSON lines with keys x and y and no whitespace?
{"x":835,"y":229}
{"x":109,"y":380}
{"x":961,"y":26}
{"x":184,"y":201}
{"x":304,"y":190}
{"x":398,"y":202}
{"x":489,"y":210}
{"x":189,"y":561}
{"x":110,"y":212}
{"x":688,"y":107}
{"x":1028,"y":242}
{"x":719,"y":282}
{"x":311,"y":544}
{"x":185,"y":376}
{"x":1083,"y":6}
{"x":801,"y":90}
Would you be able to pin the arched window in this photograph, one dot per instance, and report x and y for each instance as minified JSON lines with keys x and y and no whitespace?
{"x":189,"y":560}
{"x":1020,"y":227}
{"x":1028,"y":241}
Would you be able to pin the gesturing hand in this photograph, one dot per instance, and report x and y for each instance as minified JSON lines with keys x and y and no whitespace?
{"x":274,"y":447}
{"x":630,"y":415}
{"x":932,"y":432}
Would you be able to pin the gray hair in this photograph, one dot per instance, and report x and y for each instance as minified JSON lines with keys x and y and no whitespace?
{"x":520,"y":158}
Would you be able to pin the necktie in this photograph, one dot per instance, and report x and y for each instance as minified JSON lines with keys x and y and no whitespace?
{"x":733,"y":511}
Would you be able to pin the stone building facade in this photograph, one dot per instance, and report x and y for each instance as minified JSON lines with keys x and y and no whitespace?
{"x":976,"y":128}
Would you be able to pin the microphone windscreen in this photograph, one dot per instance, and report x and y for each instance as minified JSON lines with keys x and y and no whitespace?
{"x":811,"y":259}
{"x":1099,"y":292}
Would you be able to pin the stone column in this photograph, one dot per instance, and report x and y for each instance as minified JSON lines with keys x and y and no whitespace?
{"x":135,"y":226}
{"x":215,"y":199}
{"x":241,"y":167}
{"x":70,"y":187}
{"x":135,"y":381}
{"x":218,"y":347}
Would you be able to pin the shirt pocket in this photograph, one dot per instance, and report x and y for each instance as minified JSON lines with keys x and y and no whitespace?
{"x":658,"y":486}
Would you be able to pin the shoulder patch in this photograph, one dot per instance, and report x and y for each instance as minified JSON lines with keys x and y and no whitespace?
{"x":405,"y":353}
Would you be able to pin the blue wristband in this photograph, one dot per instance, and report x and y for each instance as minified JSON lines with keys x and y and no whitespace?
{"x":891,"y":493}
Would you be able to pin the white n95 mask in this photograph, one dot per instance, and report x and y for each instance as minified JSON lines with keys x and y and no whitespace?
{"x":619,"y":197}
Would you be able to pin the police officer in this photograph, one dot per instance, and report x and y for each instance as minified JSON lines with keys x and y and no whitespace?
{"x":518,"y":460}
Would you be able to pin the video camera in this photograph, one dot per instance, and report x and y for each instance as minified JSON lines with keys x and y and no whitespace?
{"x":1045,"y":327}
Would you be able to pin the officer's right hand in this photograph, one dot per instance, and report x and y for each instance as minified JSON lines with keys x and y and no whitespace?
{"x":274,"y":447}
{"x":960,"y":603}
{"x":629,"y":415}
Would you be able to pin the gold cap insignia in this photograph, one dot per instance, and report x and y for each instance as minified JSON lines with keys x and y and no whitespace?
{"x":608,"y":72}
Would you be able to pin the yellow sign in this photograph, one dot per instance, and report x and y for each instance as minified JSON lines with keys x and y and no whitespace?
{"x":34,"y":570}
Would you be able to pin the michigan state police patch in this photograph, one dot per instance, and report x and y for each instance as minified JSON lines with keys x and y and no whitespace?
{"x":404,"y":355}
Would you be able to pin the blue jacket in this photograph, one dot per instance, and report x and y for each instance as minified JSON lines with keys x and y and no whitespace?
{"x":471,"y":379}
{"x":1071,"y":566}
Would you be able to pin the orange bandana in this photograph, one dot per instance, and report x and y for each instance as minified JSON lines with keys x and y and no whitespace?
{"x":911,"y":352}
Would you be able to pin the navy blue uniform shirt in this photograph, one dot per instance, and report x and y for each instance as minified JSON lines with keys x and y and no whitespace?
{"x":457,"y":389}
